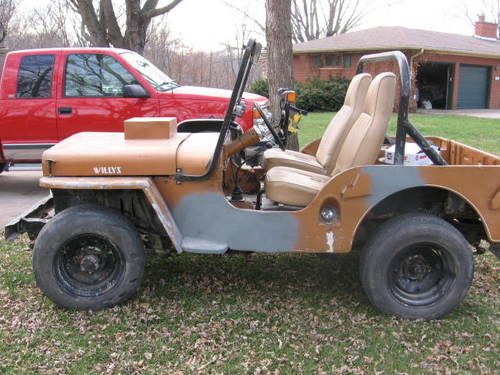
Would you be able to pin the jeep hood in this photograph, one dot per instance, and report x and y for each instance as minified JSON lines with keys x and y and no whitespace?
{"x":110,"y":154}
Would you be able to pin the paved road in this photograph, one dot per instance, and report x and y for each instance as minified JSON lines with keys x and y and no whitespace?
{"x":18,"y":192}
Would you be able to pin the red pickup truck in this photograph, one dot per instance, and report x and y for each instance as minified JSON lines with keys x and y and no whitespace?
{"x":47,"y":95}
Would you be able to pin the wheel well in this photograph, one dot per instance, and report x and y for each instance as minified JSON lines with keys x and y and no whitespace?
{"x":427,"y":199}
{"x":130,"y":203}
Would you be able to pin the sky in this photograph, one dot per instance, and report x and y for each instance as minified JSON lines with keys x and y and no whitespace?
{"x":209,"y":24}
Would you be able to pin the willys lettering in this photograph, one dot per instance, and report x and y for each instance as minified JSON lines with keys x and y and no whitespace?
{"x":108,"y":170}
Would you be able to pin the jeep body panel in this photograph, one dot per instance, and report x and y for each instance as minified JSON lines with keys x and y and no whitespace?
{"x":110,"y":154}
{"x":208,"y":223}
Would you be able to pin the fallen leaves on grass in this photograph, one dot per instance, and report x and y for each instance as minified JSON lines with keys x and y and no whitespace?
{"x":224,"y":314}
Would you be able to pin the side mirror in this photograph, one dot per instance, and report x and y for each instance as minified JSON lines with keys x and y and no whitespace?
{"x":135,"y":91}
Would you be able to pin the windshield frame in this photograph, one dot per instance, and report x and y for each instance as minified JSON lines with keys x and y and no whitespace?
{"x":159,"y":80}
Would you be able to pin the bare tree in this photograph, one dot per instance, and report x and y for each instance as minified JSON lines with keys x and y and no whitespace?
{"x":189,"y":67}
{"x":244,"y":10}
{"x":48,"y":26}
{"x":279,"y":57}
{"x":7,"y":8}
{"x":314,"y":19}
{"x":103,"y":24}
{"x":233,"y":48}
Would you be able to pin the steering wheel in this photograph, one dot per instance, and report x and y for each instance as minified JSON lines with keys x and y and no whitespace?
{"x":275,"y":135}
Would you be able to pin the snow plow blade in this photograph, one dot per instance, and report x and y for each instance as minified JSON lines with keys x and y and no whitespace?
{"x":30,"y":221}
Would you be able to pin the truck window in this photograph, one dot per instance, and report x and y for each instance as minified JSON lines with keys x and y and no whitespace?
{"x":159,"y":80}
{"x":95,"y":75}
{"x":34,"y":79}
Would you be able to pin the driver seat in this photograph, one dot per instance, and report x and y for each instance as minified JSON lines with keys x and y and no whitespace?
{"x":361,"y":147}
{"x":329,"y":147}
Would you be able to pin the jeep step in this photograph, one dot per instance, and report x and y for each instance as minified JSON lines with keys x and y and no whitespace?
{"x":202,"y":246}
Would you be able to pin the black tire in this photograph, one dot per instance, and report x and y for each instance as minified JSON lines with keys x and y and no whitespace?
{"x":88,"y":257}
{"x":416,"y":266}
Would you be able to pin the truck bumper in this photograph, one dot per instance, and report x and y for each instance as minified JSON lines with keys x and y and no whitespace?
{"x":30,"y":221}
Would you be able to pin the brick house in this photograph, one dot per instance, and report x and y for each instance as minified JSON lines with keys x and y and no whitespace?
{"x":449,"y":70}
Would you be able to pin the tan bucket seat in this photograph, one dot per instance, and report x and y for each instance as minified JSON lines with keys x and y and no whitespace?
{"x":328,"y":149}
{"x":360,"y":147}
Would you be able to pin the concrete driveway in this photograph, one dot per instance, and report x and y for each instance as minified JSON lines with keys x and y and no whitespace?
{"x":481,"y":113}
{"x":19,"y":191}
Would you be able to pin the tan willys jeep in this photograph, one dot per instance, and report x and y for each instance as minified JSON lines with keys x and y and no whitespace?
{"x":116,"y":194}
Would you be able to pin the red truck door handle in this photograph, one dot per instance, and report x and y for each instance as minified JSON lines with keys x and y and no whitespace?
{"x":65,"y":110}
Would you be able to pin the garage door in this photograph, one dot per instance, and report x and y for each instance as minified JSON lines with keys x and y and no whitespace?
{"x":473,"y":86}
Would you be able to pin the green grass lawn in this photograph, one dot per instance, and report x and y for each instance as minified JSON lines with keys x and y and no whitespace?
{"x":477,"y":132}
{"x":262,"y":314}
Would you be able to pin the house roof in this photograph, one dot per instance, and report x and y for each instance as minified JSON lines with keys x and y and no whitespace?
{"x":397,"y":37}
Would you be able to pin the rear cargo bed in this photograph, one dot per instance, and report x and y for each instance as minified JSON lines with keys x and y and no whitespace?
{"x":456,"y":153}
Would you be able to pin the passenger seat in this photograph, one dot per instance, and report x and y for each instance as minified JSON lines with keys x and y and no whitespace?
{"x":329,"y":147}
{"x":361,"y":147}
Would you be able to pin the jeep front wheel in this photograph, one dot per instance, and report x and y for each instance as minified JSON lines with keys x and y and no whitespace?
{"x":417,"y":266}
{"x":88,"y":257}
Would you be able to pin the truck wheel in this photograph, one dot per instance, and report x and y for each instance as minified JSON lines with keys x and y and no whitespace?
{"x":88,"y":257}
{"x":416,"y":266}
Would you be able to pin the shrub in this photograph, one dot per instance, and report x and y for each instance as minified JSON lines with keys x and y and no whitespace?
{"x":260,"y":87}
{"x":314,"y":94}
{"x":321,"y":95}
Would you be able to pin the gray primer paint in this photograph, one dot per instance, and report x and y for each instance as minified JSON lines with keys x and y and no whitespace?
{"x":387,"y":180}
{"x":209,"y":224}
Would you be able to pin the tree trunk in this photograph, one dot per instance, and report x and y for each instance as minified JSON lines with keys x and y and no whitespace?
{"x":279,"y":54}
{"x":104,"y":29}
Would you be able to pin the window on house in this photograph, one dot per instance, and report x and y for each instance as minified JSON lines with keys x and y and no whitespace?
{"x":329,"y":60}
{"x":338,"y":60}
{"x":317,"y":61}
{"x":35,"y":76}
{"x":347,"y":61}
{"x":95,"y":75}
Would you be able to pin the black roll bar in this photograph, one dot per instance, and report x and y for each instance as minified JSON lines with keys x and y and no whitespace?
{"x":404,"y":127}
{"x":251,"y":54}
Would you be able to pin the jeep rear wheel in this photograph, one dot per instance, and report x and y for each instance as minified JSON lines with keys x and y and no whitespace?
{"x":88,"y":257}
{"x":417,"y":266}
